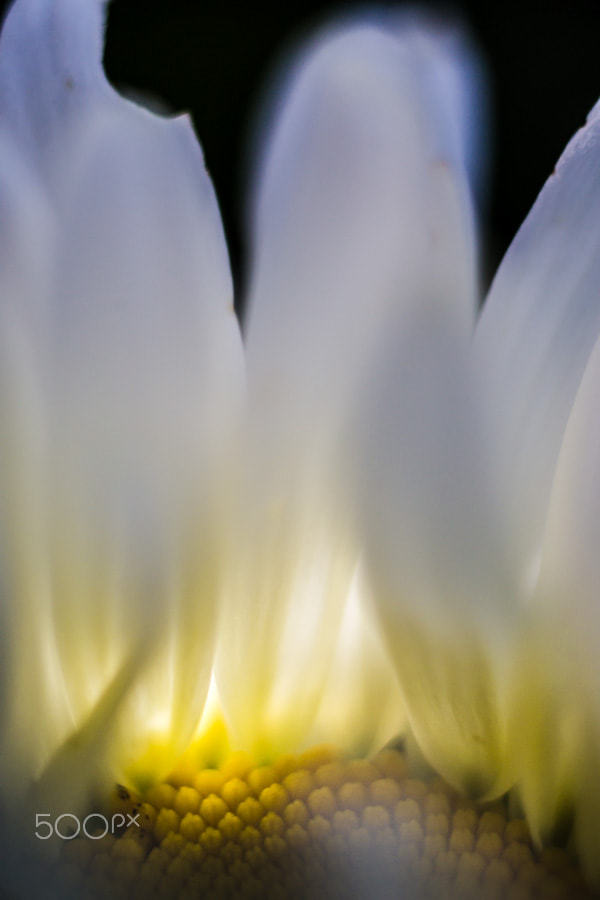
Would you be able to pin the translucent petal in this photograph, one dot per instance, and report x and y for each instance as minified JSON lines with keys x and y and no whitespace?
{"x":587,"y":799}
{"x":536,"y":332}
{"x":565,"y":614}
{"x":361,"y":208}
{"x":50,"y":71}
{"x":458,"y":76}
{"x":361,"y":671}
{"x":142,"y":370}
{"x":27,"y":237}
{"x":359,"y":212}
{"x":122,"y":365}
{"x":436,"y":553}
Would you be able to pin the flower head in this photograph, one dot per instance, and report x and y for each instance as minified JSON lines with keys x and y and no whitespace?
{"x":377,"y":517}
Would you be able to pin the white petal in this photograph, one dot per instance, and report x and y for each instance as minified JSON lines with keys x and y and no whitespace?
{"x":139,"y":361}
{"x":361,"y":671}
{"x":570,"y":568}
{"x":537,"y":330}
{"x":27,"y":236}
{"x":142,"y":369}
{"x":359,"y":211}
{"x":458,"y":77}
{"x":565,"y":618}
{"x":361,"y":208}
{"x":285,"y":594}
{"x":436,"y":553}
{"x":587,"y":799}
{"x":548,"y":710}
{"x":50,"y":70}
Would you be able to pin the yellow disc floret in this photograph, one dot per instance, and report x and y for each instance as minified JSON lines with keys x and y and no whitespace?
{"x":315,"y":825}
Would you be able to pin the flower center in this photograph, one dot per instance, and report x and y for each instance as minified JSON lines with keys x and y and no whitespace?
{"x":314,"y":825}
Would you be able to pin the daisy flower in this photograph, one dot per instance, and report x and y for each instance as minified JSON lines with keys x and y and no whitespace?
{"x":375,"y":516}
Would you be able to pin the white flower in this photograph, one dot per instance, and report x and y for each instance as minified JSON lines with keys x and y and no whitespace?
{"x":165,"y":516}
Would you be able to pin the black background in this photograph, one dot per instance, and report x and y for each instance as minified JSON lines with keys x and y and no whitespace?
{"x":213,"y":59}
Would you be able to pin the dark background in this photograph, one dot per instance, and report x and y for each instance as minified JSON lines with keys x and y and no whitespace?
{"x":213,"y":59}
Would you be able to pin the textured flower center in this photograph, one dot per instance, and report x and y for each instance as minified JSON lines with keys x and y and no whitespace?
{"x":314,"y":825}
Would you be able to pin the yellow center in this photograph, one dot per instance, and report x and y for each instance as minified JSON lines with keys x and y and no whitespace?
{"x":313,"y":826}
